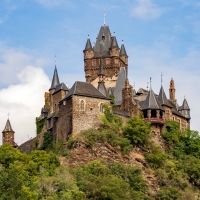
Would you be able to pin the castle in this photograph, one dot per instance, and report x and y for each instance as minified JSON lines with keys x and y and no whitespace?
{"x":68,"y":111}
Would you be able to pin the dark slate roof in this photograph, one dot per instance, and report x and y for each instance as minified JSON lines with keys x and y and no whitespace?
{"x":101,"y":67}
{"x":114,"y":43}
{"x":120,"y":113}
{"x":174,"y":109}
{"x":110,"y":90}
{"x":88,"y":45}
{"x":8,"y":127}
{"x":185,"y":105}
{"x":102,"y":89}
{"x":151,"y":102}
{"x":162,"y":98}
{"x":120,"y":84}
{"x":84,"y":89}
{"x":123,"y":51}
{"x":55,"y":80}
{"x":61,"y":86}
{"x":106,"y":44}
{"x":141,"y":91}
{"x":45,"y":110}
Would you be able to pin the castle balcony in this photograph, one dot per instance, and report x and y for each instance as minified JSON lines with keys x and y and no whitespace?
{"x":155,"y":120}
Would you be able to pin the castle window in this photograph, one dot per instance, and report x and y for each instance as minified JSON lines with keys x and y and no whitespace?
{"x":101,"y":108}
{"x":82,"y":105}
{"x":107,"y":61}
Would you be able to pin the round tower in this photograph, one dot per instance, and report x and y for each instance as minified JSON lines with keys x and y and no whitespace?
{"x":172,"y":91}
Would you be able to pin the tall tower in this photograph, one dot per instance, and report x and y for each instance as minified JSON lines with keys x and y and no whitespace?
{"x":8,"y":134}
{"x":172,"y":91}
{"x":106,"y":46}
{"x":55,"y":82}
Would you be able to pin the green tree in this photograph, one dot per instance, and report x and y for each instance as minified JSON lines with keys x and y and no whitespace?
{"x":137,"y":131}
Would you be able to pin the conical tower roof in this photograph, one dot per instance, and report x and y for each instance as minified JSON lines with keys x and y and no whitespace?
{"x":185,"y":105}
{"x":8,"y":127}
{"x":88,"y":45}
{"x":101,"y":67}
{"x":55,"y":80}
{"x":163,"y":98}
{"x":123,"y":51}
{"x":114,"y":43}
{"x":151,"y":102}
{"x":101,"y":87}
{"x":104,"y":31}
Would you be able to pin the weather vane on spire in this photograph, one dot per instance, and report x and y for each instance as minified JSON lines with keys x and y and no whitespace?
{"x":104,"y":16}
{"x":8,"y":115}
{"x":55,"y":59}
{"x":161,"y":78}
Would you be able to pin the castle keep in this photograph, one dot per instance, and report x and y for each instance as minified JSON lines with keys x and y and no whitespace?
{"x":67,"y":111}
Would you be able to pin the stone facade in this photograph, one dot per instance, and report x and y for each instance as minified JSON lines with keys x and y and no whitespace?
{"x":73,"y":118}
{"x":111,"y":66}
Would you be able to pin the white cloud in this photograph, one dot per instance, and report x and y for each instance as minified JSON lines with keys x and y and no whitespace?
{"x":145,"y":9}
{"x":24,"y":101}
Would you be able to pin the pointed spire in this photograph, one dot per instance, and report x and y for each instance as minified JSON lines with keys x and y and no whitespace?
{"x":185,"y":105}
{"x":88,"y":45}
{"x":8,"y":127}
{"x":163,"y":98}
{"x":55,"y":80}
{"x":151,"y":102}
{"x":123,"y":50}
{"x":101,"y":67}
{"x":114,"y":43}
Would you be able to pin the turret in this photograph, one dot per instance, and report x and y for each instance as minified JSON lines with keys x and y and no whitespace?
{"x":114,"y":48}
{"x":55,"y":82}
{"x":172,"y":91}
{"x":101,"y":84}
{"x":8,"y":134}
{"x":185,"y":109}
{"x":88,"y":51}
{"x":123,"y":55}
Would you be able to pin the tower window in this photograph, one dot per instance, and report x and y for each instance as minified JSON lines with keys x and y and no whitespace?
{"x":101,"y":108}
{"x":82,"y":105}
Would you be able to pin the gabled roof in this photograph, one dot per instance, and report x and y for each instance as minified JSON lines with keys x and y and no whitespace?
{"x":88,"y":45}
{"x":185,"y":105}
{"x":55,"y":80}
{"x":162,"y":98}
{"x":151,"y":102}
{"x":84,"y":89}
{"x":104,"y":30}
{"x":61,"y":86}
{"x":174,"y":109}
{"x":8,"y":127}
{"x":120,"y":84}
{"x":102,"y":89}
{"x":114,"y":43}
{"x":141,"y":91}
{"x":123,"y":51}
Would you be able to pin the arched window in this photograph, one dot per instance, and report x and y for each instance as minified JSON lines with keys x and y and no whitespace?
{"x":82,"y":105}
{"x":101,"y":108}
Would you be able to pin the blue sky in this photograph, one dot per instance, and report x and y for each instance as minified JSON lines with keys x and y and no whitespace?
{"x":159,"y":36}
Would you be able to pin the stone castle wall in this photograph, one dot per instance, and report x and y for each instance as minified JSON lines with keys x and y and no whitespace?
{"x":63,"y":126}
{"x":89,"y":117}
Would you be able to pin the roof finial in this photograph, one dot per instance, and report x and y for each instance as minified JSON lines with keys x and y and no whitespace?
{"x":122,"y":41}
{"x":104,"y":16}
{"x":114,"y":33}
{"x":150,"y":83}
{"x":134,"y":84}
{"x":8,"y":115}
{"x":161,"y":78}
{"x":55,"y":59}
{"x":88,"y":36}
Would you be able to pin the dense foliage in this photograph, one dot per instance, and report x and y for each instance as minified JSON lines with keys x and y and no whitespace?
{"x":40,"y":123}
{"x":38,"y":175}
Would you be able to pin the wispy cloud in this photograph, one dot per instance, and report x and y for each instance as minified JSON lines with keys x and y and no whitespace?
{"x":146,"y":9}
